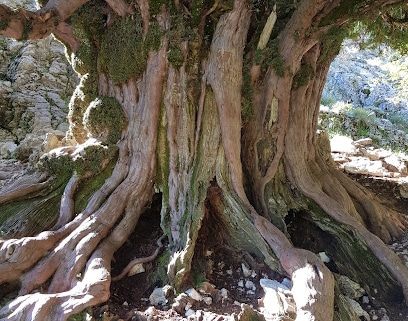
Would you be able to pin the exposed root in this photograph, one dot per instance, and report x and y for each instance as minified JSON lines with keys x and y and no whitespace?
{"x":337,"y":211}
{"x":384,"y":222}
{"x":92,"y":290}
{"x":31,"y":249}
{"x":23,"y":186}
{"x":140,"y":260}
{"x":67,"y":206}
{"x":313,"y":283}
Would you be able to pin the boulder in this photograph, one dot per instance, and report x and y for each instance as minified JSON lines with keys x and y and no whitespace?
{"x":342,"y":144}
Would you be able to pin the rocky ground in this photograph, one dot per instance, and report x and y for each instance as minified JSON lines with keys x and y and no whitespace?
{"x":232,"y":291}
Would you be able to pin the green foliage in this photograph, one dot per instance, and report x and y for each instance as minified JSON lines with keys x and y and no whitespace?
{"x":400,"y":121}
{"x":389,"y":27}
{"x":153,"y":37}
{"x":331,"y":43}
{"x":328,"y":100}
{"x":42,"y":3}
{"x":345,"y":8}
{"x":104,"y":119}
{"x":28,"y":27}
{"x":2,"y":42}
{"x":122,"y":55}
{"x":175,"y":57}
{"x":362,"y":116}
{"x":196,"y":11}
{"x":372,"y":28}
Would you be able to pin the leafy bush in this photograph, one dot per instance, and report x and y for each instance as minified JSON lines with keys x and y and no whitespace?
{"x":328,"y":100}
{"x":362,"y":116}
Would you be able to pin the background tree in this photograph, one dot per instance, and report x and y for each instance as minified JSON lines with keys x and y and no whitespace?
{"x":214,"y":104}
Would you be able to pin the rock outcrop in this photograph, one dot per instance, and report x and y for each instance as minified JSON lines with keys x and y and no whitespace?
{"x":36,"y":83}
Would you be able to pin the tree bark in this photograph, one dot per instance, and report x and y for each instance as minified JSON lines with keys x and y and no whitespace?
{"x":224,"y":129}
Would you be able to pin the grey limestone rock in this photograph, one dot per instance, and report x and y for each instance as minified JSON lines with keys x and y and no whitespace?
{"x":36,"y":82}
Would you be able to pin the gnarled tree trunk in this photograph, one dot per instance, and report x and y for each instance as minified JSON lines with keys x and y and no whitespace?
{"x":221,"y":112}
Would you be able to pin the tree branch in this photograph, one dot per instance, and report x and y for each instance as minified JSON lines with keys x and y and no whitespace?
{"x":61,"y":9}
{"x":22,"y":24}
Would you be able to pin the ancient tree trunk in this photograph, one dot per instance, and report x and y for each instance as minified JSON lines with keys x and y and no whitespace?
{"x":215,"y":108}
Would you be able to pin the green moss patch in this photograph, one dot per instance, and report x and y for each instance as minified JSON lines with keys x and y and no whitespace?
{"x":123,"y":52}
{"x":104,"y":119}
{"x":303,"y":76}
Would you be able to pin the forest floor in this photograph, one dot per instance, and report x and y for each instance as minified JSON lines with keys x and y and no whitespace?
{"x":130,"y":296}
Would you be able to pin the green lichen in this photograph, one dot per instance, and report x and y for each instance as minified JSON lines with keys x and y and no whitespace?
{"x":353,"y":258}
{"x":26,"y":30}
{"x":159,"y":276}
{"x":90,"y":185}
{"x":270,"y":57}
{"x":303,"y":76}
{"x":4,"y":24}
{"x":31,"y":216}
{"x":104,"y":119}
{"x":175,"y":57}
{"x":247,"y":95}
{"x":163,"y":157}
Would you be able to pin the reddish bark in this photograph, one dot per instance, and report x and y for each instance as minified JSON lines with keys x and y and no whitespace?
{"x":200,"y":133}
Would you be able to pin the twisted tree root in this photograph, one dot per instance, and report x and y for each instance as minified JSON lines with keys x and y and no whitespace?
{"x":140,"y":260}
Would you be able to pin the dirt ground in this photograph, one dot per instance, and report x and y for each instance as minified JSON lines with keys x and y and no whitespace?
{"x":130,"y":295}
